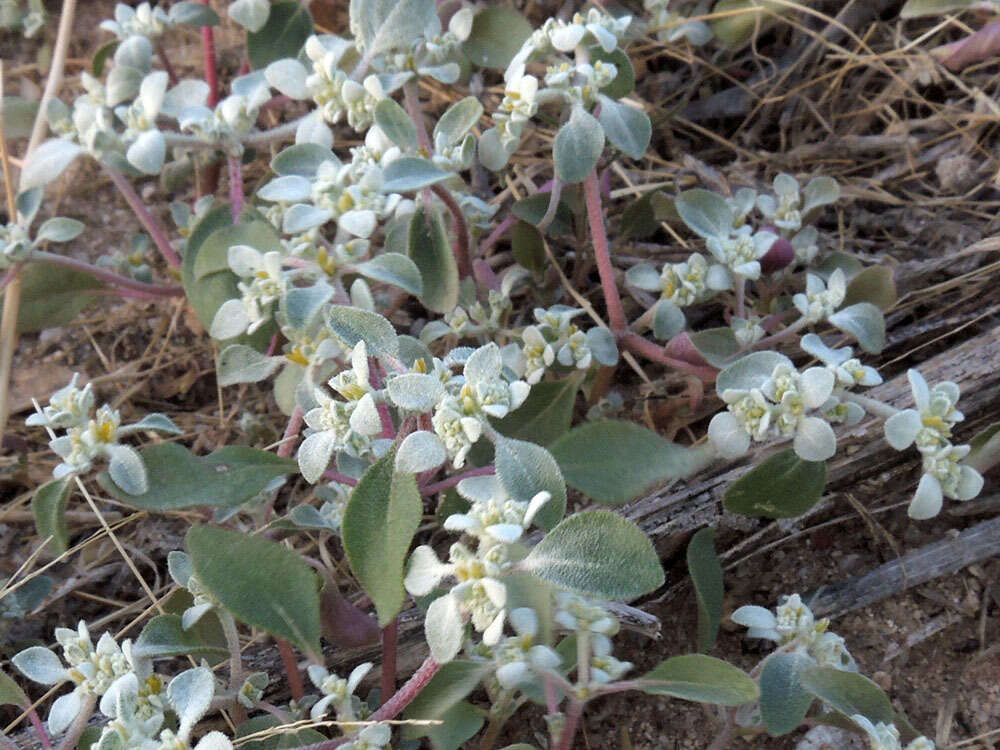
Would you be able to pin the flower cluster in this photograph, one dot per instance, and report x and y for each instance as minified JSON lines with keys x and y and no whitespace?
{"x":886,"y":737}
{"x":92,"y":435}
{"x":496,"y":521}
{"x":929,"y":426}
{"x":555,"y":338}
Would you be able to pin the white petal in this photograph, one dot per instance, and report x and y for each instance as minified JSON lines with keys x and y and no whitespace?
{"x":63,"y":711}
{"x":970,"y":484}
{"x":357,"y":675}
{"x":537,"y":503}
{"x":365,"y":418}
{"x":752,"y":616}
{"x":424,"y":571}
{"x":505,"y":532}
{"x":513,"y":674}
{"x":493,"y":634}
{"x":901,"y":429}
{"x":360,"y":223}
{"x":814,"y":440}
{"x":214,"y":741}
{"x":524,"y":620}
{"x":566,"y":38}
{"x":921,"y":393}
{"x":314,"y":455}
{"x":927,"y":500}
{"x":728,"y":436}
{"x":817,"y":385}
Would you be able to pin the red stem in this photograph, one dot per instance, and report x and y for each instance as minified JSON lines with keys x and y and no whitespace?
{"x":336,"y":476}
{"x":391,"y":708}
{"x":390,"y":642}
{"x":654,"y":352}
{"x":148,"y":221}
{"x":444,"y":484}
{"x":496,"y":234}
{"x":461,"y":249}
{"x":291,"y":433}
{"x":161,"y":52}
{"x":43,"y":736}
{"x":595,"y":217}
{"x":569,"y":727}
{"x":145,"y":291}
{"x":211,"y":68}
{"x":291,"y":668}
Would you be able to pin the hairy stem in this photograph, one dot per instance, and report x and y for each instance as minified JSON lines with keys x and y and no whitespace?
{"x":79,"y":723}
{"x":444,"y":484}
{"x":161,"y":52}
{"x":153,"y":290}
{"x":411,"y":100}
{"x":595,"y":218}
{"x":43,"y":735}
{"x":235,"y":661}
{"x":390,"y":643}
{"x":295,"y":684}
{"x":462,"y":248}
{"x":870,"y":405}
{"x":287,"y":446}
{"x":148,"y":221}
{"x":655,"y":353}
{"x":211,"y":67}
{"x":573,"y":713}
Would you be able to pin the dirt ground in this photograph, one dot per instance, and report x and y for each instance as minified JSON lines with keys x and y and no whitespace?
{"x":915,"y":148}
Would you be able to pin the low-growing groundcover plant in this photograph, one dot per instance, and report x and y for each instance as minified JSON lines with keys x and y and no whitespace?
{"x":424,"y":375}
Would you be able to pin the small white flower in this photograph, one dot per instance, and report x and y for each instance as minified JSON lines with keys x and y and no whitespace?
{"x":338,"y":693}
{"x":821,"y":300}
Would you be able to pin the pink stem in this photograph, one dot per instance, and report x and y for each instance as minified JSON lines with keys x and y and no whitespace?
{"x":335,"y":476}
{"x":211,"y":69}
{"x":391,"y":708}
{"x":595,"y":217}
{"x":496,"y":234}
{"x":444,"y":484}
{"x":390,"y":643}
{"x":140,"y":289}
{"x":43,"y":736}
{"x":291,"y":433}
{"x":148,"y":221}
{"x":654,"y":352}
{"x":569,"y":727}
{"x":411,"y":100}
{"x":291,"y":665}
{"x":236,"y":185}
{"x":462,"y":250}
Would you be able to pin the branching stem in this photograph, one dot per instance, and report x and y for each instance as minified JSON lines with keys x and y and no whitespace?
{"x":444,"y":484}
{"x":148,"y":221}
{"x":151,"y":290}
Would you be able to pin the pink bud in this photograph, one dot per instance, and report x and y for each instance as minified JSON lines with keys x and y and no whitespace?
{"x":780,"y":255}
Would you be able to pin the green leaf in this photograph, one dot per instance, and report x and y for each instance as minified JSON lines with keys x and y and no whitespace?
{"x":244,"y":364}
{"x":717,"y":345}
{"x":985,"y":449}
{"x":428,"y":247}
{"x":497,"y":34}
{"x":353,"y":324}
{"x":396,"y":269}
{"x":458,"y":120}
{"x":260,"y":582}
{"x":10,"y":693}
{"x":380,"y":520}
{"x":525,"y":469}
{"x":447,"y":689}
{"x":598,"y":553}
{"x":287,"y":28}
{"x":49,"y":509}
{"x":749,"y":372}
{"x":179,"y":479}
{"x":47,"y":162}
{"x":628,"y":128}
{"x":528,"y":246}
{"x":875,"y":285}
{"x":382,"y":25}
{"x":409,"y":173}
{"x":738,"y":29}
{"x":918,"y":8}
{"x":18,"y":116}
{"x":613,"y":462}
{"x":164,"y":636}
{"x":700,"y":678}
{"x":533,"y":208}
{"x":396,"y":124}
{"x":706,"y":574}
{"x":624,"y":82}
{"x":849,"y":693}
{"x":706,"y":213}
{"x":865,"y":323}
{"x":638,"y":220}
{"x":545,"y":415}
{"x":302,"y":159}
{"x":784,"y":486}
{"x":213,"y":254}
{"x":285,"y":740}
{"x":207,"y":293}
{"x":783,"y":700}
{"x":459,"y":723}
{"x":578,"y":146}
{"x":52,"y":296}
